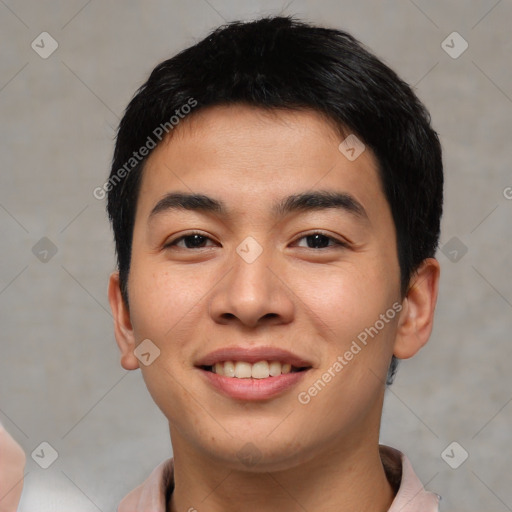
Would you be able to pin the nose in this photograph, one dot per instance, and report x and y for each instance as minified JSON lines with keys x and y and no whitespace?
{"x":252,"y":293}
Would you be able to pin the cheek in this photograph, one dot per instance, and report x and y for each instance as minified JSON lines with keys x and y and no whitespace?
{"x":344,"y":390}
{"x":161,"y":300}
{"x":163,"y":306}
{"x":346,"y":298}
{"x":176,"y":401}
{"x":354,"y":311}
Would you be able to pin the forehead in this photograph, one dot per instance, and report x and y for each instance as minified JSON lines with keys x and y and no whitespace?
{"x":247,"y":154}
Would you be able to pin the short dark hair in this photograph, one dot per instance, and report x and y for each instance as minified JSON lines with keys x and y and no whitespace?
{"x":284,"y":63}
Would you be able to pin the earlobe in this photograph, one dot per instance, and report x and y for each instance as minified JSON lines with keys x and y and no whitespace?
{"x":417,"y":316}
{"x":122,"y":325}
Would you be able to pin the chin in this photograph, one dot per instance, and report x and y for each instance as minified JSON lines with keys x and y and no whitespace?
{"x":257,"y":454}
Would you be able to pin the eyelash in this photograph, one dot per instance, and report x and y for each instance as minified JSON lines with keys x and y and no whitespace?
{"x":337,"y":243}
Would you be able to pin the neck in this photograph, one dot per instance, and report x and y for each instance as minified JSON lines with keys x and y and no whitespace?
{"x":347,"y":477}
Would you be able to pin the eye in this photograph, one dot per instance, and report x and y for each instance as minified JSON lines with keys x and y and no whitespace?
{"x":319,"y":240}
{"x":315,"y":240}
{"x":194,"y":240}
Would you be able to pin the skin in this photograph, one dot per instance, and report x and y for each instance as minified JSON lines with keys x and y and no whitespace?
{"x":12,"y":466}
{"x":311,"y":300}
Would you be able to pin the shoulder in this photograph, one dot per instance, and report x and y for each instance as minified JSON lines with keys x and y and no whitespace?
{"x":151,"y":495}
{"x":411,"y":496}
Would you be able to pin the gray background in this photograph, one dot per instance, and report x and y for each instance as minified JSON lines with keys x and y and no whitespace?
{"x":61,"y":381}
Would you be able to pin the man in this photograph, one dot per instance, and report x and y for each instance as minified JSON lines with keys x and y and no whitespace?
{"x":275,"y":196}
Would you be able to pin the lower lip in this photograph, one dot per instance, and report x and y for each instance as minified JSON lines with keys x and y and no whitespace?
{"x":253,"y":389}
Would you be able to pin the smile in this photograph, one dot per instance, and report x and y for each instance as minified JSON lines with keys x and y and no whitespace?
{"x":259,"y":370}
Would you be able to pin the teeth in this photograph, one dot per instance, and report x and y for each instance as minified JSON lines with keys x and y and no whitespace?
{"x":274,"y":368}
{"x":219,"y":369}
{"x":244,"y":370}
{"x":229,"y":369}
{"x":260,"y":370}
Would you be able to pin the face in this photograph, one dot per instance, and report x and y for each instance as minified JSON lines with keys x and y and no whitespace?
{"x":310,"y":278}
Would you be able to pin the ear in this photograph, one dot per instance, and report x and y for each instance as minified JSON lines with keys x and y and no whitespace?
{"x":417,"y":317}
{"x":122,"y":324}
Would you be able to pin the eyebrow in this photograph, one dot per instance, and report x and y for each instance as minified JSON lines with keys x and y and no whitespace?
{"x":302,"y":202}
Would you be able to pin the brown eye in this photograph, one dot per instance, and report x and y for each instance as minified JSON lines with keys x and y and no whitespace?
{"x":191,"y":241}
{"x":319,"y":240}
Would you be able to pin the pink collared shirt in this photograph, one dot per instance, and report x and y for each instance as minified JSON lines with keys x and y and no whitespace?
{"x":411,"y":496}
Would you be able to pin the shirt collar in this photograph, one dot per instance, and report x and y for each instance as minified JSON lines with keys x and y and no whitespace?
{"x":152,"y":495}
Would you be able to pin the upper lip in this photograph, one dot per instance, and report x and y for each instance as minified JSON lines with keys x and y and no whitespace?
{"x":253,"y":355}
